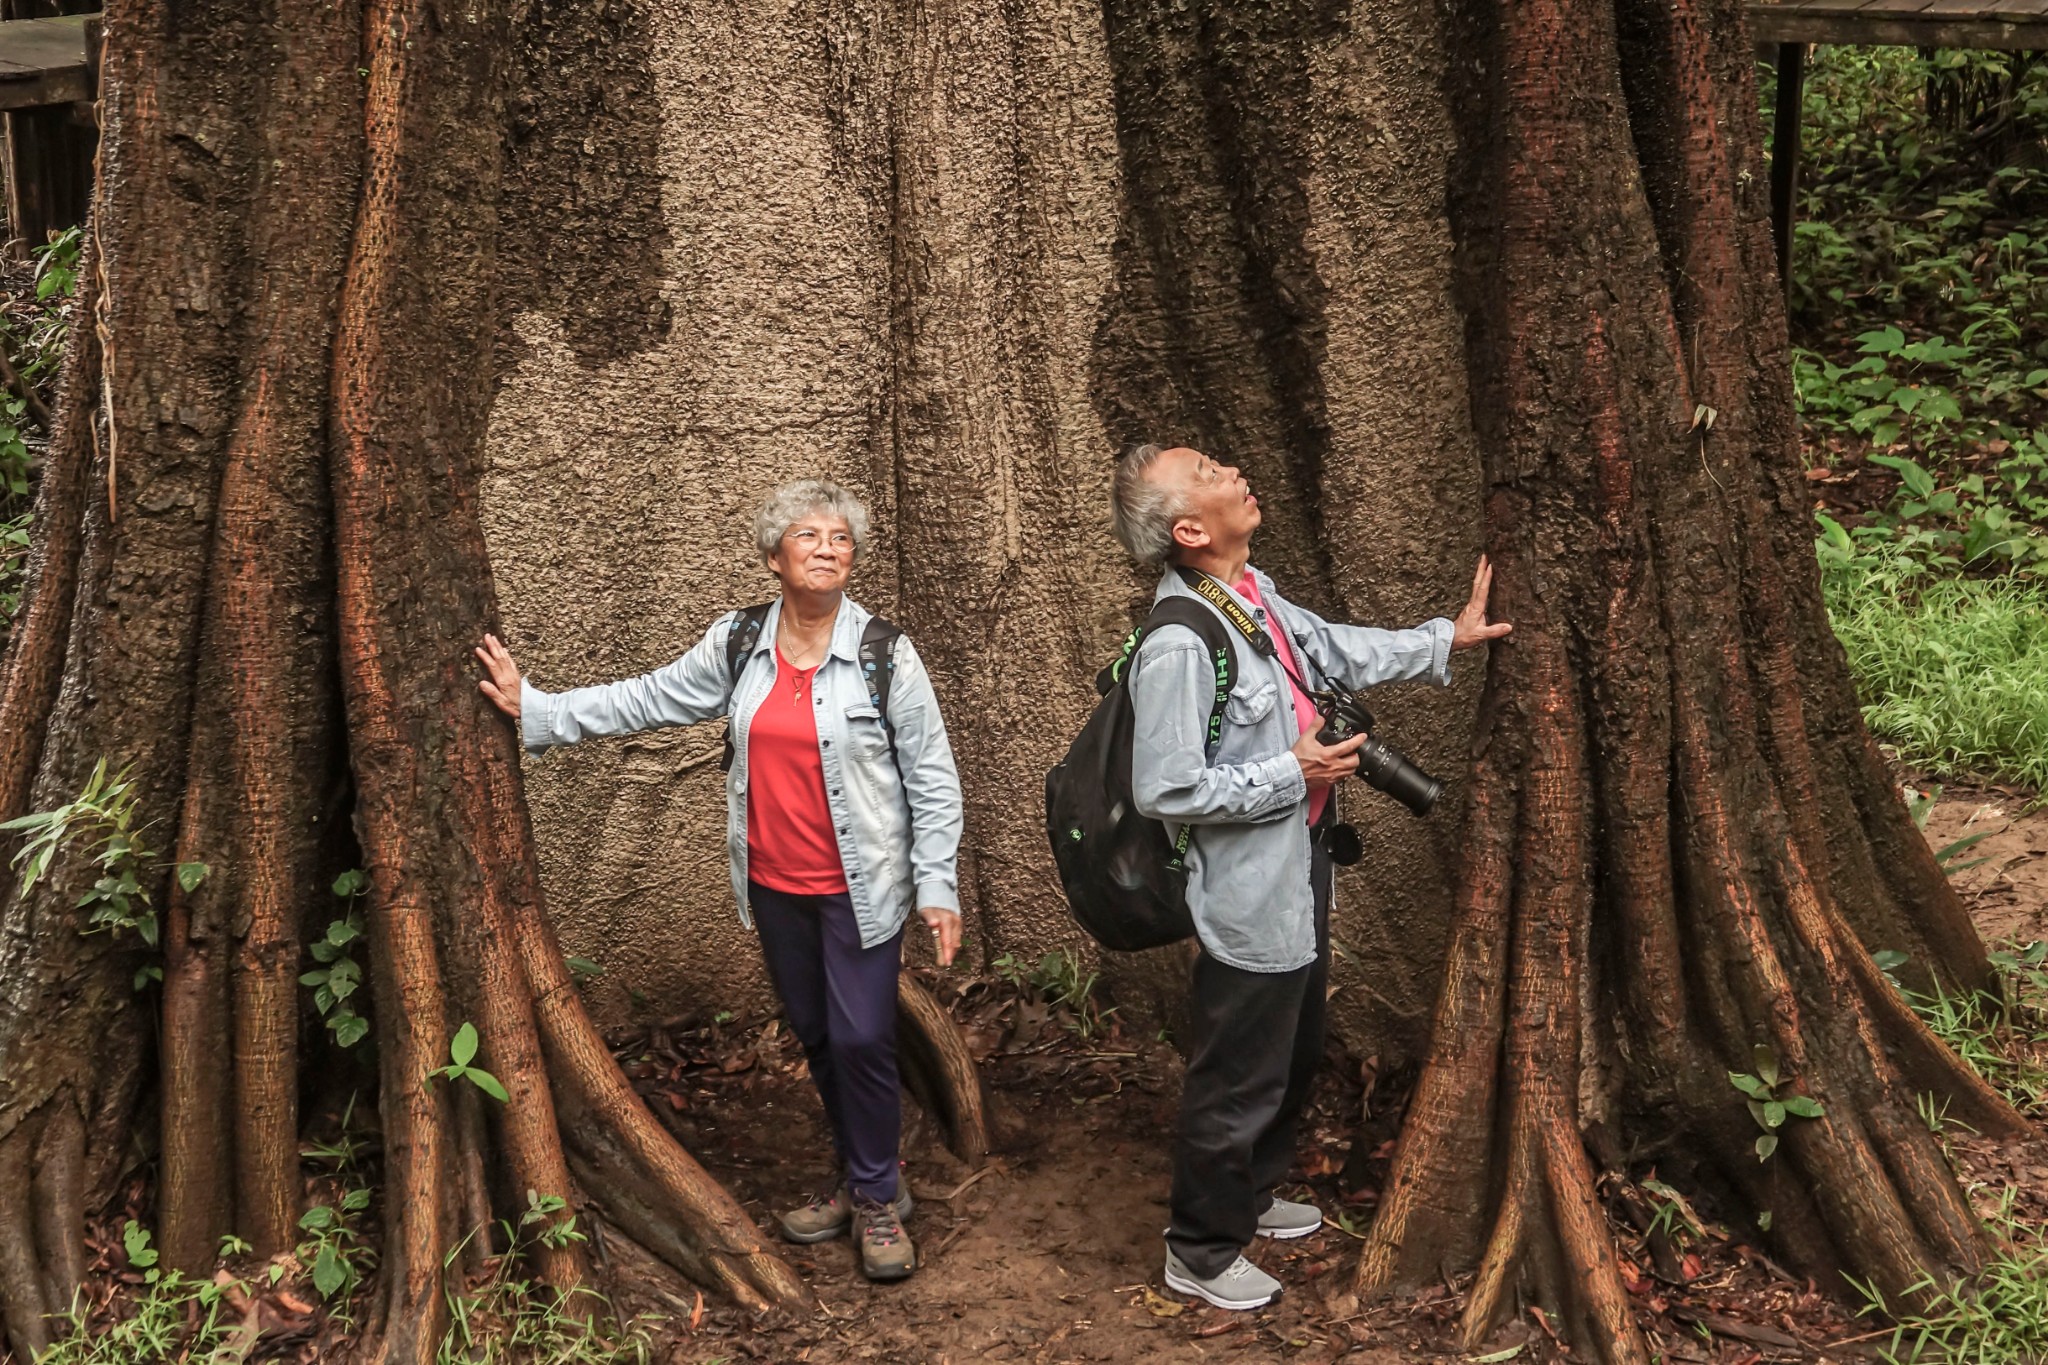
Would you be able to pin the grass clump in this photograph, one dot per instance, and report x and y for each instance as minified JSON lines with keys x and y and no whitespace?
{"x":510,"y":1319}
{"x":172,"y":1318}
{"x":1953,"y":671}
{"x":1999,"y":1316}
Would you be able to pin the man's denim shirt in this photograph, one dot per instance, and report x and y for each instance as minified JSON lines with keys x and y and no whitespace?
{"x":897,"y":820}
{"x":1248,"y":864}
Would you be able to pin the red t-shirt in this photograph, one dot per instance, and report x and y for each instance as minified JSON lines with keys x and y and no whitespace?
{"x":1305,"y":714}
{"x":790,"y":847}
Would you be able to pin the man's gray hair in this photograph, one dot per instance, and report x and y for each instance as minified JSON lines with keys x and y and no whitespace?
{"x":1141,"y":513}
{"x":799,"y":498}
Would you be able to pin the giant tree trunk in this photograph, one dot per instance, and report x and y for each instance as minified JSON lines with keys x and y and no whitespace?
{"x":260,"y":571}
{"x":1680,"y":843}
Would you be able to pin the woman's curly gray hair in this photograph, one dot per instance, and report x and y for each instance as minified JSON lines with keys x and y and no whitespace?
{"x":799,"y":498}
{"x":1141,"y":513}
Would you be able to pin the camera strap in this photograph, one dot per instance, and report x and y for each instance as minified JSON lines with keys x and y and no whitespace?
{"x":1216,"y":595}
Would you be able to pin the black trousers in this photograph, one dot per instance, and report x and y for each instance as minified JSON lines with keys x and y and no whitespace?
{"x":1258,"y":1038}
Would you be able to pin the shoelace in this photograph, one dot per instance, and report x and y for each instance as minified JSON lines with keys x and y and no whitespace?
{"x":882,"y":1224}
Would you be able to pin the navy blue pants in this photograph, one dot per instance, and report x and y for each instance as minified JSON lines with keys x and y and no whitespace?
{"x":840,"y":999}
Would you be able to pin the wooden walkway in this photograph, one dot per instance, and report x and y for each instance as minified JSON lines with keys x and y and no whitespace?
{"x":2007,"y":24}
{"x":43,"y":62}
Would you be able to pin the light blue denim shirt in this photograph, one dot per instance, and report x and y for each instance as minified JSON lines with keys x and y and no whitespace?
{"x":897,"y":820}
{"x":1248,"y":863}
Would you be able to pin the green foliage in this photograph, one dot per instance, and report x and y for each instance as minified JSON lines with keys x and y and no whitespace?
{"x":173,"y":1318}
{"x":13,"y":565}
{"x":1060,"y":980}
{"x":34,"y":343}
{"x":1953,"y":671}
{"x":508,"y":1318}
{"x":100,"y":823}
{"x":461,"y":1052}
{"x":1771,"y":1099}
{"x":1998,"y":1317}
{"x":1999,"y":1033}
{"x":338,"y":976}
{"x":333,"y":1251}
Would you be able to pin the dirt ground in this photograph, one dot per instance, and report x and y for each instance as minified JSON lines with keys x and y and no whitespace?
{"x":1052,"y":1252}
{"x":2004,"y":876}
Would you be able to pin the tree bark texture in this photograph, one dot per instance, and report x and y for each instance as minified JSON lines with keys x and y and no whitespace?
{"x":953,"y":256}
{"x":397,"y":302}
{"x":260,"y":570}
{"x":1671,"y":810}
{"x":1440,"y":280}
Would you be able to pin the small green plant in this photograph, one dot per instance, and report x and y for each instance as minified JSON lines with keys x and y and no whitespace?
{"x":333,"y":1251}
{"x":172,"y":1318}
{"x":338,"y":975}
{"x":1062,"y":983}
{"x":1997,"y":1317}
{"x":461,"y":1052}
{"x":508,"y":1318}
{"x":101,"y":822}
{"x":1771,"y":1099}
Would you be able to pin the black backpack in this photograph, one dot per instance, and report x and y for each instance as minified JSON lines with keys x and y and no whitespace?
{"x":1126,"y":876}
{"x":877,"y":663}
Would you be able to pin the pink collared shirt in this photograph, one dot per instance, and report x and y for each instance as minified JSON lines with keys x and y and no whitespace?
{"x":1305,"y":713}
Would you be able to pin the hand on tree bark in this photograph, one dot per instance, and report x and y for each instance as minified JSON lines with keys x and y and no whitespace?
{"x":1470,"y":627}
{"x":502,"y":687}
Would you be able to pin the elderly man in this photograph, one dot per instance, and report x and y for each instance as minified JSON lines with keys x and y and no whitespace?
{"x":1259,"y":874}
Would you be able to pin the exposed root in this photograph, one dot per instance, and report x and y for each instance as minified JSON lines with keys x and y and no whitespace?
{"x":21,"y":1273}
{"x":939,"y":1071}
{"x":59,"y":1196}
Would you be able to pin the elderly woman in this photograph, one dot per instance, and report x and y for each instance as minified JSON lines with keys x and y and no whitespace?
{"x":842,"y":815}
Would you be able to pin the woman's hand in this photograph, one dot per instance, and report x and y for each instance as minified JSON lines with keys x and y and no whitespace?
{"x":945,"y":927}
{"x":502,"y":687}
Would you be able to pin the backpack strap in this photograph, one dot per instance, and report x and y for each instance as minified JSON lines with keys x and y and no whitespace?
{"x":878,"y":667}
{"x":1221,"y":651}
{"x":739,"y":648}
{"x":746,"y":634}
{"x":1217,"y":645}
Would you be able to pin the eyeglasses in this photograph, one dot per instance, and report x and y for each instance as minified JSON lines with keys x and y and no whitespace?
{"x":804,"y":538}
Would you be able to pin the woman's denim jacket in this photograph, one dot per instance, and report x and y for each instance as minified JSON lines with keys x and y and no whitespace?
{"x":897,"y":817}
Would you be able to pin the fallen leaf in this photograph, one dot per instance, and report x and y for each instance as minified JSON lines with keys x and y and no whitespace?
{"x":1159,"y":1306}
{"x":697,"y":1311}
{"x":1219,"y":1327}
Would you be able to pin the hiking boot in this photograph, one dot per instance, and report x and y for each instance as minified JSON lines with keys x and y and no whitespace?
{"x":1242,"y":1285}
{"x":886,"y":1252}
{"x":829,"y":1215}
{"x":1287,"y":1219}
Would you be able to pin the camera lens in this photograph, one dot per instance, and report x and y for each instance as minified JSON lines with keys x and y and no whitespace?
{"x":1387,"y":769}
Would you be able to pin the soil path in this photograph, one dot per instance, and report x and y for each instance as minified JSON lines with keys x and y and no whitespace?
{"x":1051,"y":1253}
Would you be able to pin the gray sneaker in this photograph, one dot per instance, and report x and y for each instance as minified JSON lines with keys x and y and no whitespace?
{"x":1242,"y":1285}
{"x":1287,"y":1219}
{"x":830,"y":1214}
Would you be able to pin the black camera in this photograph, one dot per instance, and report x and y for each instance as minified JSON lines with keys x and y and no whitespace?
{"x":1383,"y":767}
